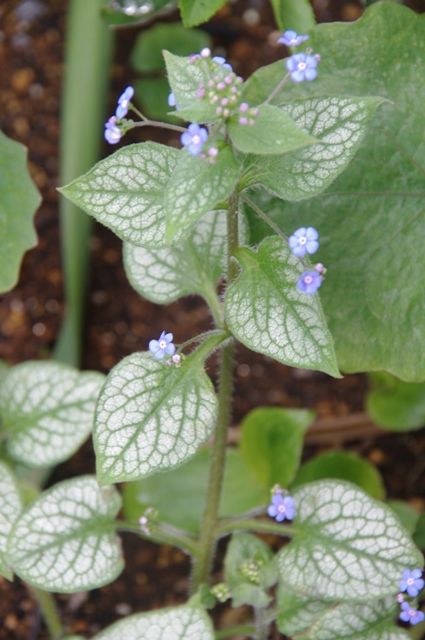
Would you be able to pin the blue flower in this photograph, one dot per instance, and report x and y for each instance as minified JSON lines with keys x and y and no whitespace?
{"x":291,"y":38}
{"x":194,"y":138}
{"x":309,"y":282}
{"x":162,"y":347}
{"x":282,"y":506}
{"x":412,"y":582}
{"x":124,"y":102}
{"x":302,"y":66}
{"x":113,"y":134}
{"x":304,"y":240}
{"x":222,"y":61}
{"x":408,"y":614}
{"x":171,"y":100}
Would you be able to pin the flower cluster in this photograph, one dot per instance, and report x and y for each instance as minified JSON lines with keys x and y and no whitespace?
{"x":194,"y":138}
{"x":250,"y":569}
{"x":411,"y":583}
{"x":114,"y":129}
{"x":303,"y":241}
{"x":300,"y":66}
{"x":282,"y":506}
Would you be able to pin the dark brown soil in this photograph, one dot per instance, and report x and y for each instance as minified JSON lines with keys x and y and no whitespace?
{"x":118,"y":322}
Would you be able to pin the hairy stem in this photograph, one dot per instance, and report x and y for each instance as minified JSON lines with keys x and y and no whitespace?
{"x":49,"y":612}
{"x":261,"y":624}
{"x":207,"y":540}
{"x":261,"y":214}
{"x":163,"y":534}
{"x":261,"y":526}
{"x":277,"y":89}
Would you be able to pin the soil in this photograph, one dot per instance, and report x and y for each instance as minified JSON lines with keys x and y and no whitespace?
{"x":119,"y":322}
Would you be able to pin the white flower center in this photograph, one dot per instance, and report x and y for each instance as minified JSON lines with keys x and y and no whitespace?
{"x":196,"y":139}
{"x":308,"y":279}
{"x":301,"y":66}
{"x":302,"y":240}
{"x":410,"y":581}
{"x":281,"y":508}
{"x":162,"y":344}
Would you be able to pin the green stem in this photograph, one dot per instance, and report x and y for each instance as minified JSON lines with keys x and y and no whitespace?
{"x":261,"y":624}
{"x":207,"y":540}
{"x":277,"y":89}
{"x":213,"y":301}
{"x":49,"y":612}
{"x":167,"y":535}
{"x":261,"y":214}
{"x":245,"y":630}
{"x":160,"y":125}
{"x":261,"y":526}
{"x":88,"y":52}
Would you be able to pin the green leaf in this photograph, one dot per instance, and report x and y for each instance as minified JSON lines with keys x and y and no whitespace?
{"x":147,"y":53}
{"x":419,"y":536}
{"x":342,"y":465}
{"x":195,"y":188}
{"x":65,"y":541}
{"x":272,"y":441}
{"x":266,"y":312}
{"x":125,"y":192}
{"x":179,"y":623}
{"x":151,"y":416}
{"x":240,"y":494}
{"x":318,"y":620}
{"x":192,"y":267}
{"x":115,"y":17}
{"x":348,"y":546}
{"x":407,"y":515}
{"x":47,"y":411}
{"x":10,"y":508}
{"x":273,"y":132}
{"x":394,"y":404}
{"x":153,"y":95}
{"x":370,"y":219}
{"x":18,"y":201}
{"x":196,"y":11}
{"x":340,"y":123}
{"x":293,"y":14}
{"x":249,"y":569}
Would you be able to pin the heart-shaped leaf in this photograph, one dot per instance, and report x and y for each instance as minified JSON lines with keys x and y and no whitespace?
{"x":340,"y":123}
{"x":18,"y":201}
{"x":394,"y":404}
{"x":267,"y":313}
{"x":195,"y":188}
{"x":151,"y":416}
{"x":371,"y":218}
{"x":125,"y":192}
{"x":65,"y":541}
{"x":196,"y":11}
{"x":10,"y":508}
{"x":179,"y":623}
{"x":293,"y":14}
{"x":47,"y":411}
{"x":349,"y":547}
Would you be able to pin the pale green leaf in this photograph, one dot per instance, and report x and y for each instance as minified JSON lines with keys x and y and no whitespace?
{"x":319,"y":620}
{"x":65,"y":540}
{"x":18,"y":201}
{"x":267,"y":313}
{"x":195,"y":188}
{"x":193,"y":266}
{"x":408,"y":515}
{"x":47,"y":411}
{"x":340,"y":123}
{"x":196,"y":11}
{"x":294,"y":14}
{"x":125,"y":192}
{"x":272,"y":441}
{"x":241,"y":492}
{"x":273,"y":132}
{"x":151,"y":416}
{"x":394,"y":404}
{"x":10,"y":508}
{"x":179,"y":623}
{"x":342,"y":465}
{"x":350,"y":547}
{"x":371,"y":218}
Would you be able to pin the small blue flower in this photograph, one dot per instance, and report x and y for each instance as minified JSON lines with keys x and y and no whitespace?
{"x":309,"y":282}
{"x":162,"y":347}
{"x":124,"y":102}
{"x":291,"y":38}
{"x":113,"y":134}
{"x":412,"y":582}
{"x":282,"y":506}
{"x":408,"y":614}
{"x":304,"y":240}
{"x":302,"y":66}
{"x":222,"y":61}
{"x":171,"y":100}
{"x":194,"y":138}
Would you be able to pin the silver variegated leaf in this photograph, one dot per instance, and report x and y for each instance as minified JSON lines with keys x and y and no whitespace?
{"x":10,"y":508}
